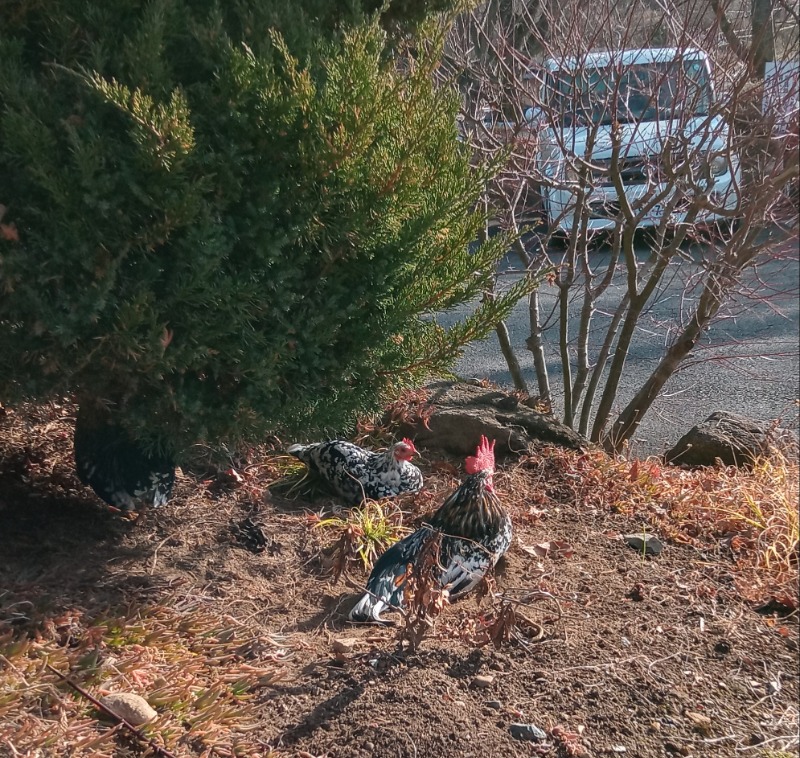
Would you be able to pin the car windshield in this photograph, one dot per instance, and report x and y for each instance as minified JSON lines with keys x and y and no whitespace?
{"x":640,"y":92}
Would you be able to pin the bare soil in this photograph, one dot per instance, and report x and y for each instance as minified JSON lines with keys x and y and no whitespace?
{"x":637,"y":655}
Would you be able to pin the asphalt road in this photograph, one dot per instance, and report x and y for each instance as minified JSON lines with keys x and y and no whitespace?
{"x":746,"y":363}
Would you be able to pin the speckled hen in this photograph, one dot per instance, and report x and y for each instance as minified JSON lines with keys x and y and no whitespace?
{"x":475,"y":532}
{"x":356,"y":473}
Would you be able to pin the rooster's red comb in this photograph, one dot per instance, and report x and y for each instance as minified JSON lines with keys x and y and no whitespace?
{"x":483,"y":459}
{"x":410,"y":444}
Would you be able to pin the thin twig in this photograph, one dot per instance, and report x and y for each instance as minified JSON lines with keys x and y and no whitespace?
{"x":155,"y":552}
{"x":138,"y":732}
{"x":792,"y":739}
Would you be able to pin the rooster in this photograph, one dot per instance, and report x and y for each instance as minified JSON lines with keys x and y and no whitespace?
{"x":357,"y":474}
{"x":118,"y":469}
{"x":475,"y":531}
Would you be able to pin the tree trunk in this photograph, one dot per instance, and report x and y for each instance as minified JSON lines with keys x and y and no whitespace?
{"x":535,"y":344}
{"x":563,"y":341}
{"x":582,"y":365}
{"x":511,"y":359}
{"x":741,"y":50}
{"x":714,"y":292}
{"x":599,"y":367}
{"x":763,"y":44}
{"x":628,"y":421}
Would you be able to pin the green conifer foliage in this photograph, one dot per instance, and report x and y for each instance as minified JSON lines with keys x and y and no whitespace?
{"x":217,"y":236}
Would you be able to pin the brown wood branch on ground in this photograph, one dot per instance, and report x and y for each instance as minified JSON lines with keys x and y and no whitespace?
{"x":110,"y":711}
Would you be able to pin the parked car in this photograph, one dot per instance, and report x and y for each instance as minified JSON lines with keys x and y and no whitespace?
{"x":657,"y":104}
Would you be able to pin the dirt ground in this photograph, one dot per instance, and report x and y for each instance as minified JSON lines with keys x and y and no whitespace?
{"x":626,"y":654}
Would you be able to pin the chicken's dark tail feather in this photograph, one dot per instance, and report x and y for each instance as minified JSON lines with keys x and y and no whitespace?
{"x":387,"y":582}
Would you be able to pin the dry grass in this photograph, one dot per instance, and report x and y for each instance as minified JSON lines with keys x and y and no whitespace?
{"x":204,"y":670}
{"x":749,"y":515}
{"x":200,"y":670}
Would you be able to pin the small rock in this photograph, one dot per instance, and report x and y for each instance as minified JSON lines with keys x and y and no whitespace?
{"x":344,"y":645}
{"x":482,"y":681}
{"x":495,"y":705}
{"x":655,"y":726}
{"x":701,"y":722}
{"x":647,"y":543}
{"x":528,"y":732}
{"x":619,"y":749}
{"x":756,"y":738}
{"x":133,"y":708}
{"x":370,"y":746}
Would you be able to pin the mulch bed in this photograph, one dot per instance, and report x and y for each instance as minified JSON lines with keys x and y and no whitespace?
{"x":218,"y":609}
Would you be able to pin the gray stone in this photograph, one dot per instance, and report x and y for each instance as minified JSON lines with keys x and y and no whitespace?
{"x":647,"y":543}
{"x":456,"y":414}
{"x":733,"y":439}
{"x":529,"y":732}
{"x":129,"y":706}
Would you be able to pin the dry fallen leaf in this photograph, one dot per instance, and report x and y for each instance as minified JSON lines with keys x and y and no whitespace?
{"x":701,"y":722}
{"x":344,"y":645}
{"x":234,"y":477}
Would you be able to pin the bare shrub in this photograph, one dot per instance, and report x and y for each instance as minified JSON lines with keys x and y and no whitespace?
{"x":675,"y":142}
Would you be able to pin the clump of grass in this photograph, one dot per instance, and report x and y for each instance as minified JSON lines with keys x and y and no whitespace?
{"x":760,"y":509}
{"x":361,"y":534}
{"x":291,"y":478}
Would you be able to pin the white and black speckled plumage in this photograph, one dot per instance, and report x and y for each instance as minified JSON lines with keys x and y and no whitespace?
{"x":476,"y":531}
{"x":355,"y":473}
{"x":119,"y":471}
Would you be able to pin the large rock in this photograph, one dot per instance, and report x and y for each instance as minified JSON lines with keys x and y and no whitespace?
{"x":457,"y":414}
{"x":735,"y":440}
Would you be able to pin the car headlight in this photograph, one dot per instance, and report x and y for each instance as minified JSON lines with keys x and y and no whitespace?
{"x":719,"y":165}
